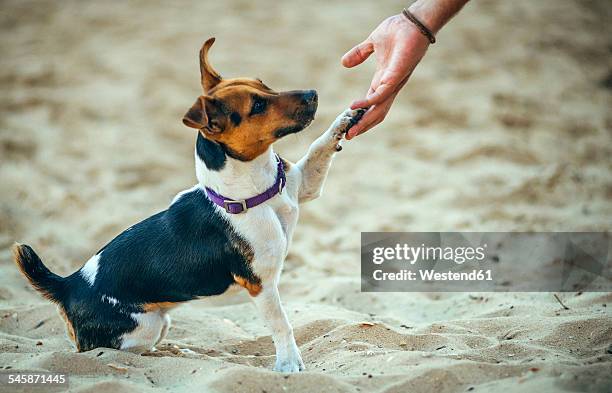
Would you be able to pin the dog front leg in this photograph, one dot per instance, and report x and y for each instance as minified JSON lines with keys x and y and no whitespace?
{"x":288,"y":358}
{"x":314,"y":166}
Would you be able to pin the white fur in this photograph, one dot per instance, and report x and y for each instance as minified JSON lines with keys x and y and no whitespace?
{"x":180,"y":194}
{"x":269,"y":227}
{"x":109,"y":299}
{"x":90,"y":269}
{"x":315,"y":165}
{"x":152,"y":328}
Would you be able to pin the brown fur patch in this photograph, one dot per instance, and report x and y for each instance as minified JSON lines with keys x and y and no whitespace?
{"x":225,"y":100}
{"x":209,"y":76}
{"x":20,"y":260}
{"x":253,"y":286}
{"x":244,"y":248}
{"x":286,"y":164}
{"x":161,"y":306}
{"x":69,"y":327}
{"x":254,"y":134}
{"x":252,"y":283}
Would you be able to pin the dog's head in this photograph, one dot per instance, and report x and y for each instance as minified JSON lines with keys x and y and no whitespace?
{"x":244,"y":115}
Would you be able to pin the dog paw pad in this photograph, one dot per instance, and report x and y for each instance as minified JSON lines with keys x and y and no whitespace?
{"x":348,"y":119}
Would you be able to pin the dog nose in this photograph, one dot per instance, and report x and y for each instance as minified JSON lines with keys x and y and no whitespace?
{"x":309,"y":97}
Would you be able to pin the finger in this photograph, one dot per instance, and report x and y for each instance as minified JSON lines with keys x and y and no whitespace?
{"x":376,"y":96}
{"x":368,"y":127}
{"x":389,"y":81}
{"x":381,"y":94}
{"x":373,"y":117}
{"x":356,"y":131}
{"x":373,"y":85}
{"x":369,"y":120}
{"x":378,"y":74}
{"x":358,"y":54}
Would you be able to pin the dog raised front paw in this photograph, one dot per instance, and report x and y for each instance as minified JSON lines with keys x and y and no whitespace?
{"x":343,"y":123}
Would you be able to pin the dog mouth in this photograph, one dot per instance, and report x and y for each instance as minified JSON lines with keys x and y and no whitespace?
{"x":303,"y":116}
{"x":306,"y":112}
{"x":306,"y":116}
{"x":281,"y":132}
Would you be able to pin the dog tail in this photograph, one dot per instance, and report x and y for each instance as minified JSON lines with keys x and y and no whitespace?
{"x":49,"y":284}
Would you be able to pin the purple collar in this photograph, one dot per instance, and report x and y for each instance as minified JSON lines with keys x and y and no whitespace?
{"x":240,"y":206}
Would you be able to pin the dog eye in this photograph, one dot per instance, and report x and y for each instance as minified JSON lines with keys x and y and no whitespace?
{"x":259,"y":105}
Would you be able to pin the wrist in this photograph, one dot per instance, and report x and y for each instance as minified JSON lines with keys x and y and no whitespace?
{"x":426,"y":13}
{"x":424,"y":30}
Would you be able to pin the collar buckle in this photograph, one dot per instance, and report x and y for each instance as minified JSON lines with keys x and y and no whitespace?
{"x":227,"y":203}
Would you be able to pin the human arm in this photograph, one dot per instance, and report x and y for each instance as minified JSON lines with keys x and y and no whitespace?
{"x":398,"y":46}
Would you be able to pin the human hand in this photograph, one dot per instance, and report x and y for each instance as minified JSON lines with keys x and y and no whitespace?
{"x":398,"y":46}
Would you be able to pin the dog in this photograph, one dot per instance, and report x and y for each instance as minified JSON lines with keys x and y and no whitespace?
{"x":234,"y":227}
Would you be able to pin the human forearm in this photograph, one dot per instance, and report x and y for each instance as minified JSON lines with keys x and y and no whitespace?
{"x":436,"y":13}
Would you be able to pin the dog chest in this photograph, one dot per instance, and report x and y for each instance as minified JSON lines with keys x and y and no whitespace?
{"x":268,"y":230}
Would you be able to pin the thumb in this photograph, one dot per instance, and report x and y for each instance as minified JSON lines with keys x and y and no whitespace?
{"x":358,"y":54}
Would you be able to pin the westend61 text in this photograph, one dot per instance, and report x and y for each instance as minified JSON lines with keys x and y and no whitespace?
{"x":432,"y":275}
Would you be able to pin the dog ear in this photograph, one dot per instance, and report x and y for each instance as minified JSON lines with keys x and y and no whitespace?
{"x":205,"y":115}
{"x":210,"y":77}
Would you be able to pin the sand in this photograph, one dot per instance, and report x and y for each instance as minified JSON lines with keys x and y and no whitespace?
{"x":505,"y":126}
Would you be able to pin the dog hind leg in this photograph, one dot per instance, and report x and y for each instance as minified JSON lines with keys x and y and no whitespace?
{"x":166,"y":326}
{"x":147,"y":333}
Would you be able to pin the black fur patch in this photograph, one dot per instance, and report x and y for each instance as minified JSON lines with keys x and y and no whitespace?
{"x":232,"y":153}
{"x":211,"y":153}
{"x":355,"y":119}
{"x":259,"y":106}
{"x":96,"y":323}
{"x":236,"y":118}
{"x":281,"y":132}
{"x":176,"y":255}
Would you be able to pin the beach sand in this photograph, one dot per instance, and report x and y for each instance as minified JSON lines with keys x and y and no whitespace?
{"x":504,"y":126}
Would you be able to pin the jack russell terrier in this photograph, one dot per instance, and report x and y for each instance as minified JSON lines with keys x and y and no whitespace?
{"x":232,"y":228}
